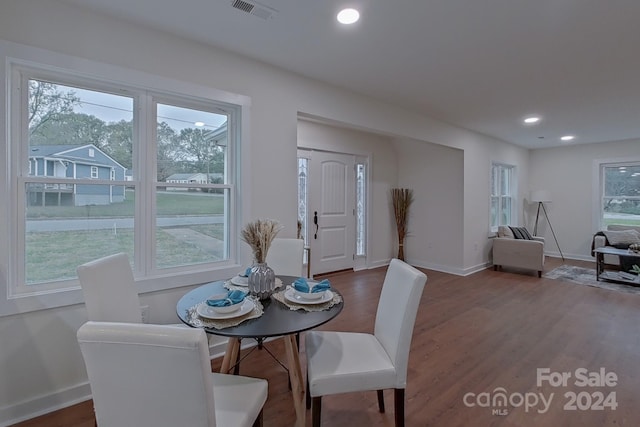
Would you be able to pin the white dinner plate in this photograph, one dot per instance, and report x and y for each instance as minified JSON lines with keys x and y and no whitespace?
{"x":290,"y":295}
{"x":206,"y":311}
{"x":240,"y":281}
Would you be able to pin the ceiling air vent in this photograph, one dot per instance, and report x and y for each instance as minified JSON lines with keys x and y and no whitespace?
{"x":254,"y":8}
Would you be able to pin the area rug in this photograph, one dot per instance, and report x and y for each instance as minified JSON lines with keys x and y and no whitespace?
{"x":587,"y":276}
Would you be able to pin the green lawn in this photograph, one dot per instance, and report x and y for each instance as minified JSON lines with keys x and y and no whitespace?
{"x":55,"y":255}
{"x":630,"y":221}
{"x":168,"y":204}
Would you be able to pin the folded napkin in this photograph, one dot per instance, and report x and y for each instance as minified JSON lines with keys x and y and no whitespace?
{"x":301,"y":285}
{"x":233,"y":297}
{"x":246,"y":273}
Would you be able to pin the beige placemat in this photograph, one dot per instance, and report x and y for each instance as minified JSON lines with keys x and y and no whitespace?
{"x":200,"y":322}
{"x":279,"y":296}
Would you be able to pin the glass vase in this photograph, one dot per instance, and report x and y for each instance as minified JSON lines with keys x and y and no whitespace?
{"x":262,"y":280}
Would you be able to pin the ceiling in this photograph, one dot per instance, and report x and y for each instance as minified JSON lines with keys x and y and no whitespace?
{"x":480,"y":65}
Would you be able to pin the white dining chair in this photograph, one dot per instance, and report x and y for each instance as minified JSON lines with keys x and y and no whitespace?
{"x":345,"y":362}
{"x":159,"y":376}
{"x":109,"y":290}
{"x":285,"y":257}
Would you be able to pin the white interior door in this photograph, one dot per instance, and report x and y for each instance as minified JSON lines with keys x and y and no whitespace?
{"x":331,"y":211}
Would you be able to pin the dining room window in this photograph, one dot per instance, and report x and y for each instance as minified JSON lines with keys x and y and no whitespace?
{"x":103,"y":167}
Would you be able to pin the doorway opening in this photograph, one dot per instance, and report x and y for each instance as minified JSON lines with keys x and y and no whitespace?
{"x":332,"y":209}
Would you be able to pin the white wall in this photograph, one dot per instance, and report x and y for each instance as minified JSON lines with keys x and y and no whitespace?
{"x":477,"y":164}
{"x":41,"y":364}
{"x":435,"y":227}
{"x":384,"y":176}
{"x":567,"y":172}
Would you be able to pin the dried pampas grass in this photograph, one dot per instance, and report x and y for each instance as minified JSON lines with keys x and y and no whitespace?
{"x":402,"y":199}
{"x":259,"y":234}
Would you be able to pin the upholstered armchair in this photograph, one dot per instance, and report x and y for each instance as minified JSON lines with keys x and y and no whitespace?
{"x":523,"y":253}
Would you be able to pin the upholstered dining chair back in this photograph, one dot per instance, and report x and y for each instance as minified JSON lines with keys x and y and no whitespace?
{"x":148,"y":375}
{"x":396,"y":315}
{"x":109,"y":290}
{"x":158,"y":375}
{"x":285,"y":257}
{"x":345,"y":362}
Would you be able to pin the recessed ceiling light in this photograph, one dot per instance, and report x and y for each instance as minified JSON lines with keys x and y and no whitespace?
{"x":199,"y":124}
{"x":348,"y":16}
{"x":531,"y":120}
{"x":567,"y":138}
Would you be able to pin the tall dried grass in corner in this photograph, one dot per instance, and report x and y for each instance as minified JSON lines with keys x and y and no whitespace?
{"x":402,"y":199}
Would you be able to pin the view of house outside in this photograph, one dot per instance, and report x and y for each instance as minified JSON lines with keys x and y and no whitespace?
{"x":77,"y":135}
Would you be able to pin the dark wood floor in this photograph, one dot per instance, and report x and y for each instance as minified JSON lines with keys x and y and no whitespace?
{"x":475,"y":334}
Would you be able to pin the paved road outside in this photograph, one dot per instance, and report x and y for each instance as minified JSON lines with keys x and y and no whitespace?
{"x":118,"y":223}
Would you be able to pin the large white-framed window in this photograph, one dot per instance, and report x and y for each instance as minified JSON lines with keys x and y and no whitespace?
{"x":618,"y":199}
{"x":102,"y":158}
{"x":503,"y":195}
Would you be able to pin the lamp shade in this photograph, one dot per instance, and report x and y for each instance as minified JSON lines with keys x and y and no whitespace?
{"x":537,"y":196}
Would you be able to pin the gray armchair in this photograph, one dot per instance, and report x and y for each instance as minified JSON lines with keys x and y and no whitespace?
{"x":518,"y":253}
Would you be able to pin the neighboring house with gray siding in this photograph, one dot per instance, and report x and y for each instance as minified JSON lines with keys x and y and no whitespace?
{"x":76,"y":162}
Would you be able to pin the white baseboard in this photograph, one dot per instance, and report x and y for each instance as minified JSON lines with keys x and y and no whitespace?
{"x":44,"y":404}
{"x":41,"y":405}
{"x":448,"y":269}
{"x":577,"y":257}
{"x":436,"y":267}
{"x":379,"y":263}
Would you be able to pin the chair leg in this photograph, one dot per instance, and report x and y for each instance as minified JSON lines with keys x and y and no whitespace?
{"x":308,"y":394}
{"x":258,"y":421}
{"x":381,"y":401}
{"x":298,"y":347}
{"x":236,"y":370}
{"x":398,"y":402}
{"x":316,"y":408}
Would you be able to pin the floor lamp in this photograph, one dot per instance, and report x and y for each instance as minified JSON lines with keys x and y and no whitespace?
{"x":541,"y":197}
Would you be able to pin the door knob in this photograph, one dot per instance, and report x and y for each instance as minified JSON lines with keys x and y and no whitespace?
{"x":315,"y":221}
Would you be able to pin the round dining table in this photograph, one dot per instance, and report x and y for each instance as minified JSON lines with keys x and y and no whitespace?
{"x":277,"y":320}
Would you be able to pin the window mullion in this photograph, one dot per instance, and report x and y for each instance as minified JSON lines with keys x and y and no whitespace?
{"x":144,"y":117}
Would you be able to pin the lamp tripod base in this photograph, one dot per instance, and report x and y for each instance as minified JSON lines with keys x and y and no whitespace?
{"x":535,"y":229}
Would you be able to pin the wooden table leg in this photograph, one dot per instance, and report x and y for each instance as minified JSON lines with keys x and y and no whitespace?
{"x":230,"y":355}
{"x":295,"y":376}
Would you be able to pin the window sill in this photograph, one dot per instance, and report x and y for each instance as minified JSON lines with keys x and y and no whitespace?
{"x":46,"y":300}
